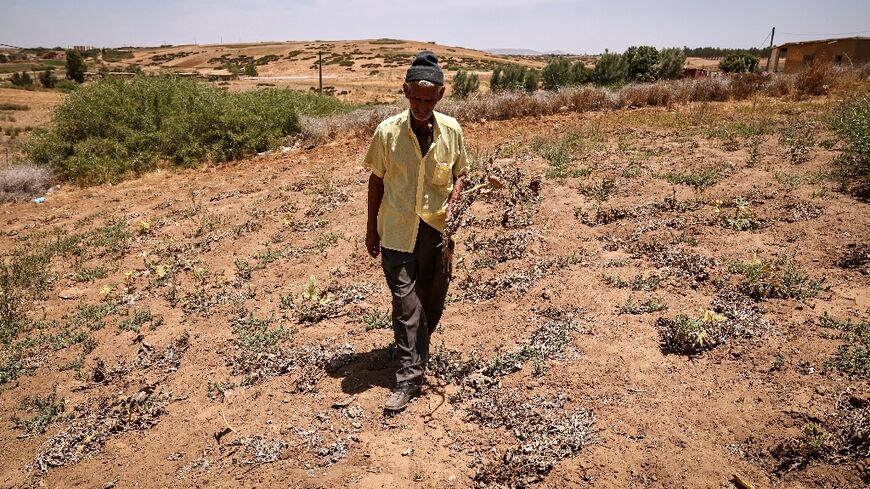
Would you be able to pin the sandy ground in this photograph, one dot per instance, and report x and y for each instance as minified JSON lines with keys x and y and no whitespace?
{"x":202,"y":249}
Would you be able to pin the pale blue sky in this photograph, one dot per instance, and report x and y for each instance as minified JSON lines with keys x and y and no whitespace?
{"x":543,"y":25}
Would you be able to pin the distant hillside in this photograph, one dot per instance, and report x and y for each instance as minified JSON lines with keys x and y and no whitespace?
{"x":298,"y":58}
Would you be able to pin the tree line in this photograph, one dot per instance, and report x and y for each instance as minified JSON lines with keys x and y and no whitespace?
{"x":638,"y":64}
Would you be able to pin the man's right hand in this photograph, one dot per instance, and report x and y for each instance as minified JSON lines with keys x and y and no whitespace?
{"x":373,"y":243}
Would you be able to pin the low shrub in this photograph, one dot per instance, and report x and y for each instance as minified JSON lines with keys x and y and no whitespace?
{"x":744,"y":85}
{"x":690,"y":335}
{"x":780,"y":279}
{"x":851,"y":121}
{"x":816,"y":79}
{"x":108,"y":130}
{"x":11,"y":106}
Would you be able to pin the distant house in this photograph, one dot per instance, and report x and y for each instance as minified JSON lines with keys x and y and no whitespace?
{"x":53,"y":55}
{"x":691,"y":72}
{"x":793,"y":56}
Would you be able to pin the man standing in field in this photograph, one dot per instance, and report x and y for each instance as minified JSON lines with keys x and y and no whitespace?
{"x":418,"y":163}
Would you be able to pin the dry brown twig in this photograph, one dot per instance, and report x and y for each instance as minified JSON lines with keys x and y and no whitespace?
{"x":457,"y":211}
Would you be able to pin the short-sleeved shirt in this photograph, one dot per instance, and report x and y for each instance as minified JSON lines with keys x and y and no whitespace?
{"x":415,"y":187}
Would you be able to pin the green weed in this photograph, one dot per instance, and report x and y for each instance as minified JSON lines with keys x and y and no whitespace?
{"x":697,"y":179}
{"x":645,"y":307}
{"x":559,"y":152}
{"x":744,"y":217}
{"x":254,"y":334}
{"x":23,"y":279}
{"x":690,"y":335}
{"x":851,"y":121}
{"x":139,"y":318}
{"x":48,"y":410}
{"x":374,"y":318}
{"x":780,"y":279}
{"x":85,"y":274}
{"x":852,"y":358}
{"x":325,"y":241}
{"x":600,"y":190}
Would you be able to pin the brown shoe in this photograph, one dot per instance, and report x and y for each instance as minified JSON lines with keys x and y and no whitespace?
{"x":403,"y":394}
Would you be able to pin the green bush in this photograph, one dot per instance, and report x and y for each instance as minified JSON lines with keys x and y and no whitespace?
{"x":851,"y":121}
{"x":113,"y":128}
{"x":610,"y":69}
{"x":22,"y":79}
{"x":739,"y":62}
{"x":464,"y":84}
{"x":642,"y":63}
{"x":46,"y":78}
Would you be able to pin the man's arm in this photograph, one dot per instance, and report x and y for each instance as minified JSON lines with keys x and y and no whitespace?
{"x":376,"y":195}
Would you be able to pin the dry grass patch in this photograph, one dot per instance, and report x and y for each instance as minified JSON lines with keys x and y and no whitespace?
{"x":24,"y":182}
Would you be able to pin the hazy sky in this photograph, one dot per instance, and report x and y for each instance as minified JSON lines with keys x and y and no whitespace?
{"x":543,"y":25}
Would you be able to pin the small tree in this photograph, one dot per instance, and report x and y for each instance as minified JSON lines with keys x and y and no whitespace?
{"x":510,"y":77}
{"x":671,"y":63}
{"x":739,"y":63}
{"x":46,"y":78}
{"x":642,"y":61}
{"x":4,"y":58}
{"x":464,"y":84}
{"x":610,"y":69}
{"x":75,"y":66}
{"x":250,"y":70}
{"x":557,"y":73}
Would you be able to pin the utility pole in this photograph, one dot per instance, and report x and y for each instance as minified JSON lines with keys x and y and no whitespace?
{"x":320,"y":71}
{"x":770,"y":54}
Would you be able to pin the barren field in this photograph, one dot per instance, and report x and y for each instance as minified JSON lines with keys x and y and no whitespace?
{"x":658,"y":298}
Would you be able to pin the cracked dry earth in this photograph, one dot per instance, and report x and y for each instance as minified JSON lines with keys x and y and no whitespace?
{"x":180,"y":323}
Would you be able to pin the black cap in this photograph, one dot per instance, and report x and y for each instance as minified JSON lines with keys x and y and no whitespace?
{"x":425,"y":67}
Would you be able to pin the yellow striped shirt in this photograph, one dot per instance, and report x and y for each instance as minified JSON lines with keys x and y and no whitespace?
{"x":415,"y":187}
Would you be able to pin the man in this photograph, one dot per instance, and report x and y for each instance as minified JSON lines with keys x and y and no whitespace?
{"x":418,"y":162}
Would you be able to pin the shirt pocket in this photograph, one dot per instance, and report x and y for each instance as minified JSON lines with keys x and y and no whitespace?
{"x":443,"y":174}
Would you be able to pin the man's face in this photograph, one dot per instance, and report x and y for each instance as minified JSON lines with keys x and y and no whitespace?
{"x":422,"y":99}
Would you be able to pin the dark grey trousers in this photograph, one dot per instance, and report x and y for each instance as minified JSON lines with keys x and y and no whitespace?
{"x":418,"y":284}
